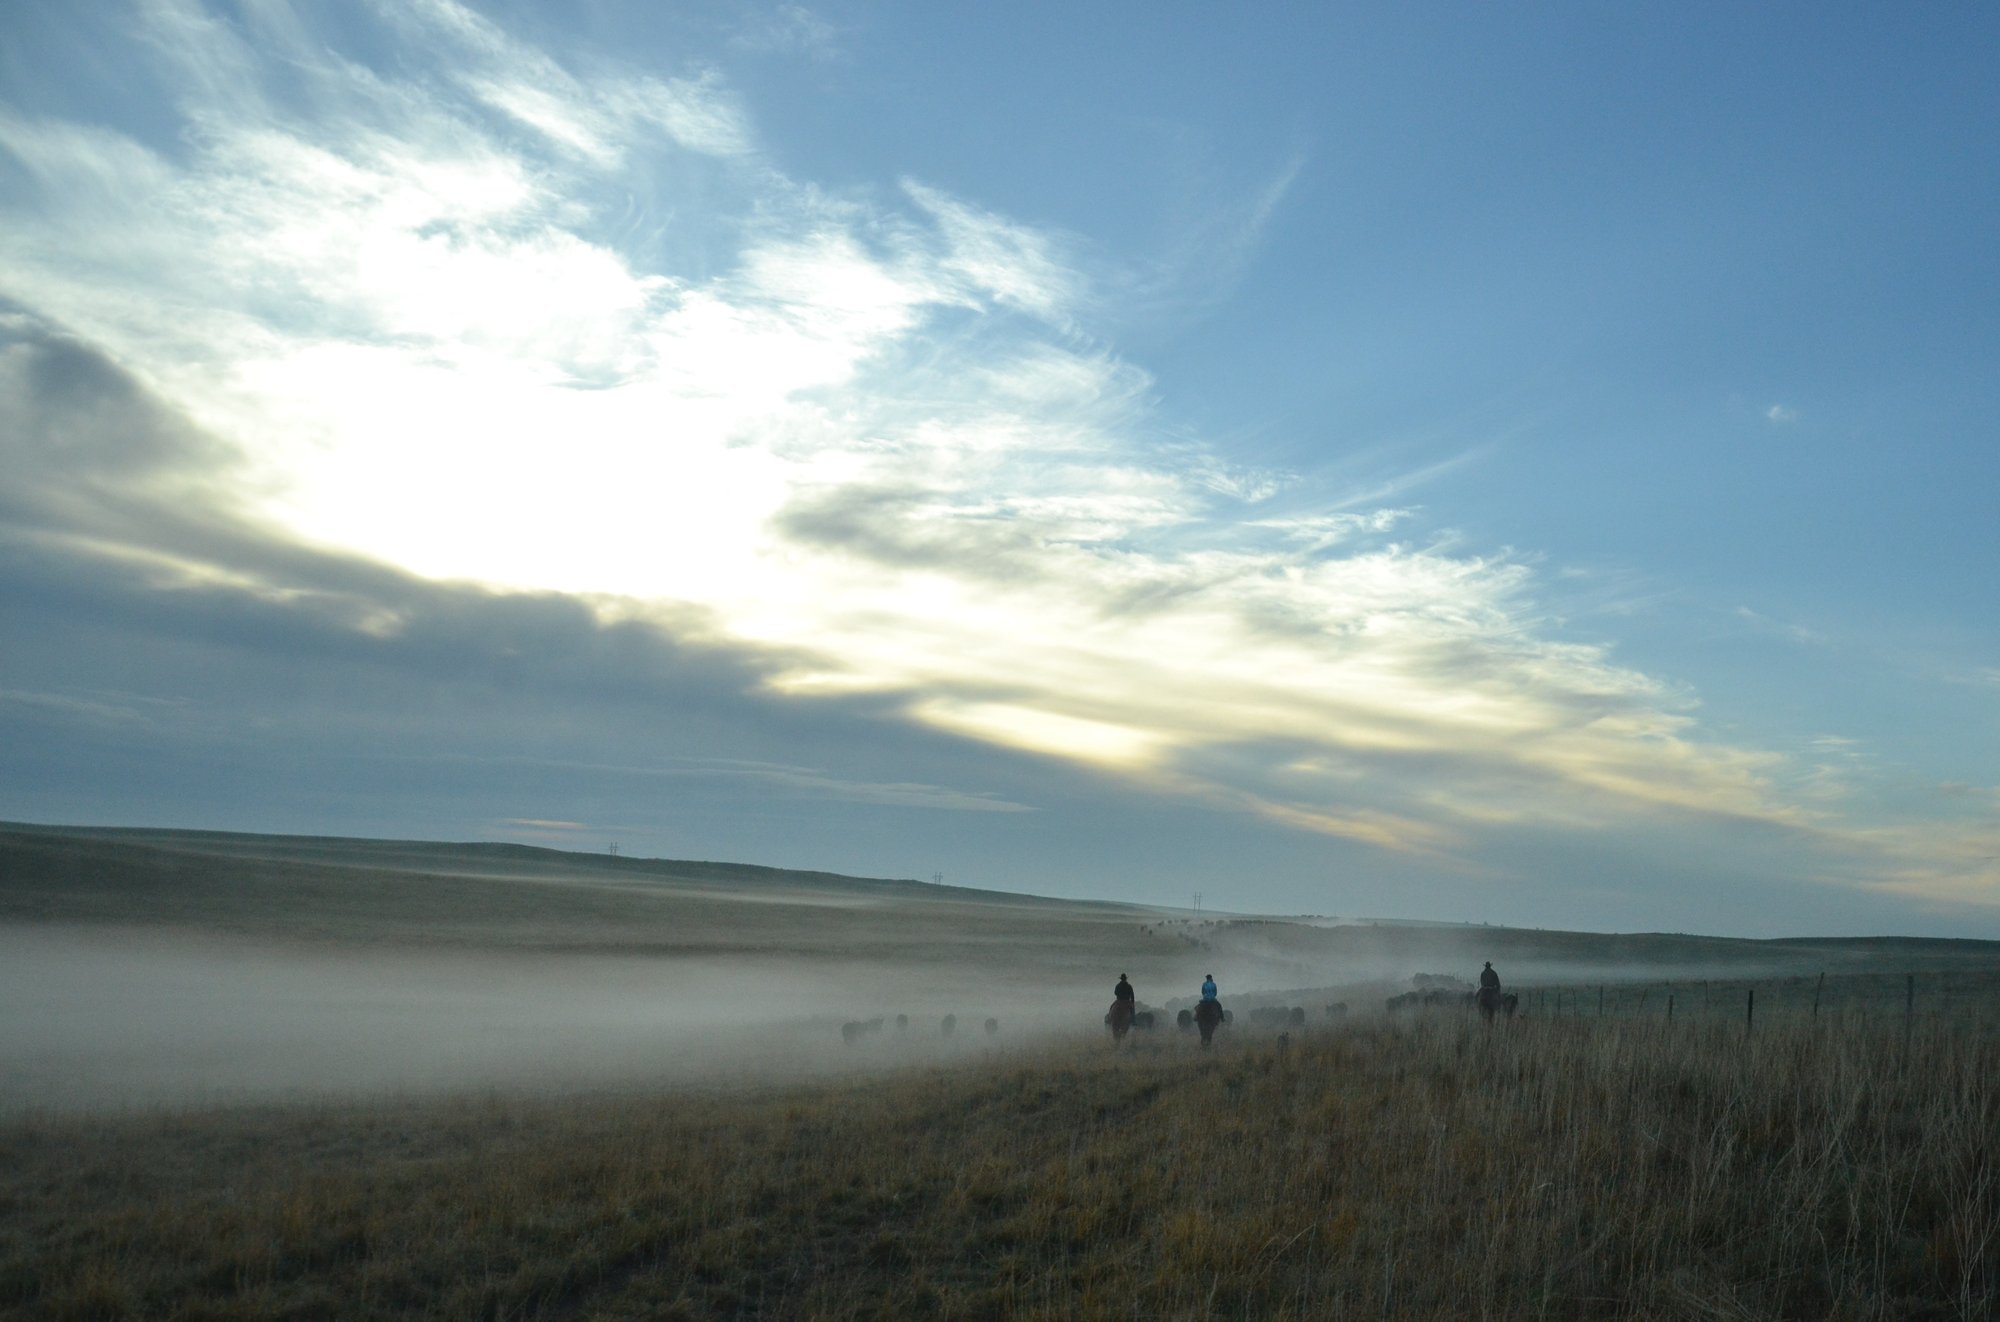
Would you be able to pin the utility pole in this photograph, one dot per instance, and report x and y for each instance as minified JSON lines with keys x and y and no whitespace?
{"x":937,"y":878}
{"x":1197,"y":901}
{"x":614,"y":849}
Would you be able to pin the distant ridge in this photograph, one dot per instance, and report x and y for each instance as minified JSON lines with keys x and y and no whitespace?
{"x":449,"y":857}
{"x":95,"y":873}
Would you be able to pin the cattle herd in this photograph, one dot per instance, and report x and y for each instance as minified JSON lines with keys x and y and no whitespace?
{"x":856,"y":1031}
{"x":1505,"y":1003}
{"x":1433,"y":991}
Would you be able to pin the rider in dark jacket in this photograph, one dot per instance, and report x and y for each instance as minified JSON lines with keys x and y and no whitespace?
{"x":1123,"y":991}
{"x":1488,"y":978}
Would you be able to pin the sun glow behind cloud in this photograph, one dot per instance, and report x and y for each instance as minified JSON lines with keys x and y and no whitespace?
{"x":872,"y":431}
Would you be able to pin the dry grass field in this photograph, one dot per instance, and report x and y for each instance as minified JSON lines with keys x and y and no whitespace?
{"x":1828,"y":1153}
{"x":1422,"y":1166}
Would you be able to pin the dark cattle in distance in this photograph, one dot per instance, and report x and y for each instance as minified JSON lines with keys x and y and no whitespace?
{"x":854,"y":1030}
{"x":1337,"y":1010}
{"x":992,"y":1027}
{"x":1418,"y":1000}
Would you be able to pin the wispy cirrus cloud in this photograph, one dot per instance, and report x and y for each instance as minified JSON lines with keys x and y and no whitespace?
{"x":788,"y":29}
{"x":809,"y":781}
{"x":1797,"y":633}
{"x":871,"y":433}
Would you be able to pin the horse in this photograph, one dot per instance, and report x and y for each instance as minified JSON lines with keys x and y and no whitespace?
{"x":1492,"y":1001}
{"x":1120,"y":1019}
{"x":1207,"y":1016}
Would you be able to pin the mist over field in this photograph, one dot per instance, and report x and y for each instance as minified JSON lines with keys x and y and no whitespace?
{"x":229,"y":969}
{"x":172,"y":968}
{"x":122,"y":1017}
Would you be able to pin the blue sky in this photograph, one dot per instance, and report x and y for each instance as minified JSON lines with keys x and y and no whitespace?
{"x":1524,"y":464}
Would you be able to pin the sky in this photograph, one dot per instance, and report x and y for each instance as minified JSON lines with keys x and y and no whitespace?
{"x":1516,"y":464}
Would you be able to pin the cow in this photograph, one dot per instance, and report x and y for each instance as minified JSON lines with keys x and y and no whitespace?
{"x":854,"y":1030}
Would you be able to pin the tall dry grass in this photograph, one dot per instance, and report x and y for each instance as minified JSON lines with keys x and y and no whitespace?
{"x":1425,"y":1167}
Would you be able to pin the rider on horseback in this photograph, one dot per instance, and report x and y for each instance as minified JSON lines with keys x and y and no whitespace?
{"x":1123,"y":992}
{"x":1488,"y":996}
{"x":1208,"y":987}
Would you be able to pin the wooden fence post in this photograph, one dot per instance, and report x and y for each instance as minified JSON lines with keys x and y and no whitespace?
{"x":1818,"y":987}
{"x":1670,"y":1007}
{"x":1750,"y":1011}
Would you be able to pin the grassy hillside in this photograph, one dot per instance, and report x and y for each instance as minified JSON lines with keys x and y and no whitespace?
{"x":1419,"y":1167}
{"x":1830,"y":1155}
{"x":516,"y":897}
{"x":495,"y":896}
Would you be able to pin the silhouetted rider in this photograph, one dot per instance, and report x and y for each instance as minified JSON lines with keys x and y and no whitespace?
{"x":1123,"y":992}
{"x":1488,"y":979}
{"x":1208,"y":987}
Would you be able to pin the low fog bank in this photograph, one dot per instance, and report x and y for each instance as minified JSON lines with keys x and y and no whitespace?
{"x":105,"y":1017}
{"x":1270,"y":959}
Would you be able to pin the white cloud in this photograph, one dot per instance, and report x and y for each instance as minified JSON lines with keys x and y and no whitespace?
{"x":995,"y":258}
{"x":413,"y":319}
{"x":1780,"y":414}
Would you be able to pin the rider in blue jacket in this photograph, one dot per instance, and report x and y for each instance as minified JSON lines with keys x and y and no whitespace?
{"x":1208,"y":987}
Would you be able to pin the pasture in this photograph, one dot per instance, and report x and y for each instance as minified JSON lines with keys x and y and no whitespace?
{"x":1830,"y":1155}
{"x":1413,"y":1167}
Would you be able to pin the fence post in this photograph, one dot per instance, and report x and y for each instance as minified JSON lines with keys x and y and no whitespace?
{"x":1670,"y":1007}
{"x":1750,"y":1011}
{"x":1818,"y":987}
{"x":1600,"y":1000}
{"x":1909,"y":1005}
